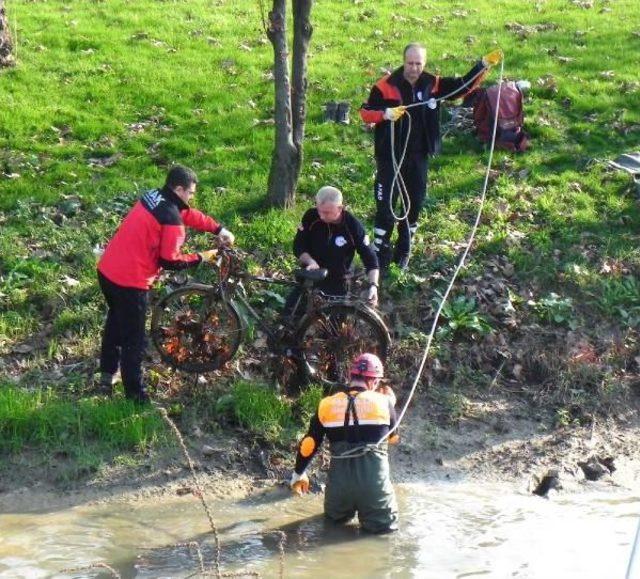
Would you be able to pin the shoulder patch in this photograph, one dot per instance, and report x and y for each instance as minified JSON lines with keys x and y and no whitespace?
{"x":151,"y":199}
{"x":165,"y":212}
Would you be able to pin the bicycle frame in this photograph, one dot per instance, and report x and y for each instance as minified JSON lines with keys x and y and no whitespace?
{"x":233,"y":291}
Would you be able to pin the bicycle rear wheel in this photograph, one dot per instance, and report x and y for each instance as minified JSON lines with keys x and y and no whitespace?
{"x":194,"y":330}
{"x":330,"y":338}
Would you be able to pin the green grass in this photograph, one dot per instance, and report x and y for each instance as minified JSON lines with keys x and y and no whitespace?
{"x":106,"y":95}
{"x":46,"y":420}
{"x":307,"y":403}
{"x":260,"y":410}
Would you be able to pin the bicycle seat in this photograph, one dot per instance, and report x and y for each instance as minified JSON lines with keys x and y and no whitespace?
{"x":313,"y":275}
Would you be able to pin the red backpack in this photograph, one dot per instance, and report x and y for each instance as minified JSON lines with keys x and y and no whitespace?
{"x":509,"y":132}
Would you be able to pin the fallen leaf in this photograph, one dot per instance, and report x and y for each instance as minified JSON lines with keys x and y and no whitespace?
{"x":263,"y":122}
{"x":105,"y":161}
{"x":22,"y":349}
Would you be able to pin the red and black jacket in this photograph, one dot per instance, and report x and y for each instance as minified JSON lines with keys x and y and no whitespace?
{"x":150,"y":238}
{"x":394,"y":90}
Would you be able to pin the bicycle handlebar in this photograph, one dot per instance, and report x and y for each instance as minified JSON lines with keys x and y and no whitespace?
{"x":228,"y":264}
{"x":229,"y":261}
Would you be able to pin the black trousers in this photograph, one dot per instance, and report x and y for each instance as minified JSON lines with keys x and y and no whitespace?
{"x":123,"y":338}
{"x":414,"y":173}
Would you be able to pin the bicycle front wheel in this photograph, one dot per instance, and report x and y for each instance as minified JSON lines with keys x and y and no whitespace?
{"x":194,"y":330}
{"x":330,"y":338}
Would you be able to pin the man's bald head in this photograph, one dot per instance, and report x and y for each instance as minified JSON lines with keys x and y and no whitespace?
{"x":415,"y":58}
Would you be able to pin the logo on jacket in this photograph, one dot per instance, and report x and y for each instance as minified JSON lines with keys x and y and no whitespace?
{"x":419,"y":95}
{"x":152,"y":199}
{"x":341,"y":241}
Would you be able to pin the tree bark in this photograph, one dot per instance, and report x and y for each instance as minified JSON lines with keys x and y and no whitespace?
{"x":302,"y":31}
{"x":290,"y":102}
{"x":6,"y":45}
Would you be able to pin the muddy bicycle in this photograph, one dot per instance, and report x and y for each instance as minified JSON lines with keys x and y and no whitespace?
{"x":199,"y":327}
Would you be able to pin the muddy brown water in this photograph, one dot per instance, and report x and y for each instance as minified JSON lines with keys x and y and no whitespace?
{"x":454,"y":530}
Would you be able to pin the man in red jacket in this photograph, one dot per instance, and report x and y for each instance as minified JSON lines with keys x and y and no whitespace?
{"x":149,"y":239}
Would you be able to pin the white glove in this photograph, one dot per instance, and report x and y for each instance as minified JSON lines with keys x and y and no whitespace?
{"x":313,"y":264}
{"x":299,"y":483}
{"x":226,"y":236}
{"x":372,"y":295}
{"x":394,"y":113}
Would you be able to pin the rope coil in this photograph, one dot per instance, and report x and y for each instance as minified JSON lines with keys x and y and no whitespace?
{"x":398,"y":180}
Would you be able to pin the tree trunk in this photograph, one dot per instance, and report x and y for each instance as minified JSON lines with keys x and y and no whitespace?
{"x":302,"y":31}
{"x":6,"y":46}
{"x":290,"y":102}
{"x":284,"y":161}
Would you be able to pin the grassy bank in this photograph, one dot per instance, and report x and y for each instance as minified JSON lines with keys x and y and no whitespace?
{"x":107,"y":95}
{"x":72,"y":437}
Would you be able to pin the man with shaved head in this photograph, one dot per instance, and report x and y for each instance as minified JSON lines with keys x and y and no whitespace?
{"x":388,"y":99}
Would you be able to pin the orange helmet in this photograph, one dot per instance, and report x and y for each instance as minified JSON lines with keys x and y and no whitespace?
{"x":368,"y":365}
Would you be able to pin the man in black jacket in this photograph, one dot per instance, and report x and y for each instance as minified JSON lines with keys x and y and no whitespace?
{"x":328,"y":237}
{"x":387,"y":102}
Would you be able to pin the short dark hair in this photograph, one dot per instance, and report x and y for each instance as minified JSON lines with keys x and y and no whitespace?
{"x":179,"y":176}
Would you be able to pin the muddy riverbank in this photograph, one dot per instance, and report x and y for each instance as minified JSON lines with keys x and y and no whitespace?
{"x":499,"y":440}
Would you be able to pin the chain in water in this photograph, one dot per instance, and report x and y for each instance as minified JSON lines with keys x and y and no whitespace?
{"x":111,"y":570}
{"x":199,"y":491}
{"x":282,"y":537}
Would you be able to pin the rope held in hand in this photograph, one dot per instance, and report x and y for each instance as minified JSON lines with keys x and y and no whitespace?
{"x":360,"y":451}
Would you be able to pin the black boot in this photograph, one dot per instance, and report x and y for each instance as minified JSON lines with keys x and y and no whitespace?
{"x":402,"y":261}
{"x":342,"y":113}
{"x":330,"y":111}
{"x":401,"y":258}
